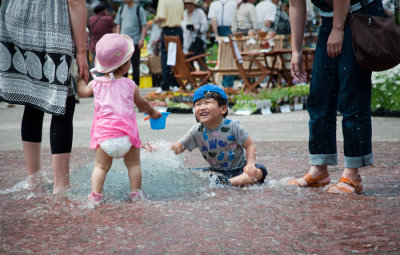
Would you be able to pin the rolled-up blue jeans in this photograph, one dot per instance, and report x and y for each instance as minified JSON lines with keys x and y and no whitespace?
{"x":340,"y":84}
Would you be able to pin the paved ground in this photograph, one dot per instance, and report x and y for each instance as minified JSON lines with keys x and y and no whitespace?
{"x":276,"y":127}
{"x":267,"y":219}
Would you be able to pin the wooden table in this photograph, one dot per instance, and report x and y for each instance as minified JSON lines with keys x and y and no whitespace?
{"x":283,"y":68}
{"x":276,"y":61}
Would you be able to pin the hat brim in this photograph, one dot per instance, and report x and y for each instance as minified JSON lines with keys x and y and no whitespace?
{"x":128,"y":55}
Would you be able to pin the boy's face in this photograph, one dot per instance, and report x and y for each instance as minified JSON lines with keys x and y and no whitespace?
{"x":208,"y":112}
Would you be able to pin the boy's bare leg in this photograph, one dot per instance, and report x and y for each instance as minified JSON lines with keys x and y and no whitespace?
{"x":245,"y":179}
{"x":132,"y":162}
{"x":101,"y":167}
{"x":61,"y":171}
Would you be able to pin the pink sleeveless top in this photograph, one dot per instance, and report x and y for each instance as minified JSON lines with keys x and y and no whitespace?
{"x":114,"y":113}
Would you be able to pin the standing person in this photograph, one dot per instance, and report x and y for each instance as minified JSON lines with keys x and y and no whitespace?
{"x":245,"y":17}
{"x":282,"y":23}
{"x":114,"y":132}
{"x":36,"y":55}
{"x":221,"y":15}
{"x":338,"y":83}
{"x":266,"y":12}
{"x":131,"y":21}
{"x":169,"y":15}
{"x":100,"y":24}
{"x":194,"y":22}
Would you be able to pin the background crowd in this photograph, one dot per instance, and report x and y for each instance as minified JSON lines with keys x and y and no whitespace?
{"x":189,"y":19}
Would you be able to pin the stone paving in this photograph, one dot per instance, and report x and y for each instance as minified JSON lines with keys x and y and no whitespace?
{"x":267,"y":219}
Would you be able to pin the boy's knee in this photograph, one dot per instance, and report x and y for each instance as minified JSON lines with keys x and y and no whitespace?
{"x":261,"y":172}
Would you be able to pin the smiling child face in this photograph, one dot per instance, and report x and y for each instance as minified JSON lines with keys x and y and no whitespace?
{"x":208,"y":112}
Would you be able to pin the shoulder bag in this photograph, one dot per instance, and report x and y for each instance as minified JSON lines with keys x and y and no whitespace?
{"x":197,"y":46}
{"x":375,"y":40}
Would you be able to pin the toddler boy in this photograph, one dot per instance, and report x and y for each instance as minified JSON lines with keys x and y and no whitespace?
{"x":224,"y":143}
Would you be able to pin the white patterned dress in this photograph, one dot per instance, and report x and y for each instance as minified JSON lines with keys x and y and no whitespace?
{"x":36,"y":52}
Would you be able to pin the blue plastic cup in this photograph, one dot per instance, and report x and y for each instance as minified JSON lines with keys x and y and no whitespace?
{"x":160,"y":122}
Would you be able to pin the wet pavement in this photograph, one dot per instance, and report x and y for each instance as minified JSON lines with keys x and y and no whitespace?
{"x":268,"y":219}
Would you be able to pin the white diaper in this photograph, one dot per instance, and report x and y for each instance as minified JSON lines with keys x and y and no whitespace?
{"x":117,"y":147}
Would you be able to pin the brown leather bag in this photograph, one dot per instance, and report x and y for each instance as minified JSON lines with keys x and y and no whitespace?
{"x":376,"y":41}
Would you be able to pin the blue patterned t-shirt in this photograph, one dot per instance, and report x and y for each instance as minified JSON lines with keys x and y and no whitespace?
{"x":221,"y":147}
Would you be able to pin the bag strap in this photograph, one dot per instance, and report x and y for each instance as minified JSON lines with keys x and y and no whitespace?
{"x":138,"y":17}
{"x":364,"y":3}
{"x":120,"y":15}
{"x":223,"y":7}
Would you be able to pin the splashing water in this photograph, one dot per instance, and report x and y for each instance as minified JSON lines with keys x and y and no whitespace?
{"x":164,"y":177}
{"x":39,"y":180}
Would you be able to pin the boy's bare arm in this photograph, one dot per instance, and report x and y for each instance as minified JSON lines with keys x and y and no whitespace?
{"x":177,"y":147}
{"x":250,"y":167}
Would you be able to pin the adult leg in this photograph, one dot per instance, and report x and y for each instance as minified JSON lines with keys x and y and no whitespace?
{"x":135,"y":61}
{"x":61,"y":133}
{"x":132,"y":163}
{"x":322,"y":108}
{"x":31,"y":134}
{"x":102,"y":165}
{"x":355,"y":106}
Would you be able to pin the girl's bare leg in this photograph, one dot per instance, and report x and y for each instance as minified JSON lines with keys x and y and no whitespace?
{"x":101,"y":167}
{"x":132,"y":162}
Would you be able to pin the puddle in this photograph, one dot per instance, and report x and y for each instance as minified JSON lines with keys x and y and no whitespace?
{"x":164,"y":177}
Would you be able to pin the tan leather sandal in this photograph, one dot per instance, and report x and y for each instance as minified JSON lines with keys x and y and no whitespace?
{"x":352,"y":186}
{"x":312,"y":182}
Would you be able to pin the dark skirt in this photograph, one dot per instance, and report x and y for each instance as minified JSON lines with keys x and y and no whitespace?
{"x":36,"y":49}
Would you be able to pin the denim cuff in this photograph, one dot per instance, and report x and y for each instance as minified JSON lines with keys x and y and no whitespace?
{"x":360,"y":161}
{"x":323,"y":159}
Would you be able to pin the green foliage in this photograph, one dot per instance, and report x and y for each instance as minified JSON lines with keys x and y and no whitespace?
{"x":277,"y":95}
{"x":386,"y":90}
{"x":213,"y":51}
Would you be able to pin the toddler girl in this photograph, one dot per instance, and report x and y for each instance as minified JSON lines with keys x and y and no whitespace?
{"x":114,"y":130}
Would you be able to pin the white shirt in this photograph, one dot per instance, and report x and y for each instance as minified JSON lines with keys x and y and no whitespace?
{"x":222,"y":11}
{"x":245,"y":17}
{"x":199,"y":21}
{"x":265,"y":10}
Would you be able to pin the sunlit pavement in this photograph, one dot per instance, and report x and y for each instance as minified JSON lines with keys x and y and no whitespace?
{"x":267,"y":219}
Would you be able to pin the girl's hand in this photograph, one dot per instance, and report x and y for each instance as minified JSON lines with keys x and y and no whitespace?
{"x":148,"y":147}
{"x":155,"y":114}
{"x":250,"y":170}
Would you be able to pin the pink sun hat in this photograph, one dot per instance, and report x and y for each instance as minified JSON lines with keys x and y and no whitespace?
{"x":112,"y":51}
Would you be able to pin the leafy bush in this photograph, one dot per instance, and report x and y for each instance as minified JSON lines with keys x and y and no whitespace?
{"x":278,"y":95}
{"x":386,"y":90}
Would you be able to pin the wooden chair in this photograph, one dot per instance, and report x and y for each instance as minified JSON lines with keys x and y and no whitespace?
{"x":249,"y":65}
{"x":185,"y":71}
